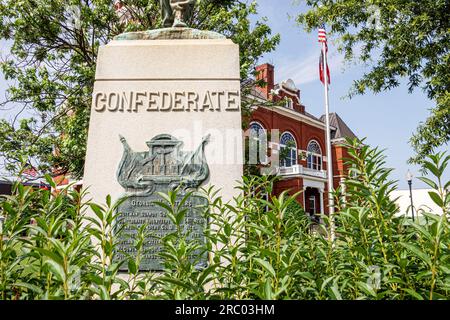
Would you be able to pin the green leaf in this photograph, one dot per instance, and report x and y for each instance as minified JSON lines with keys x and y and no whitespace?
{"x":97,"y":210}
{"x":368,"y":290}
{"x":413,"y":293}
{"x":49,"y":254}
{"x":29,"y":286}
{"x":227,"y":229}
{"x":430,"y":166}
{"x":424,"y":232}
{"x":429,"y":182}
{"x":268,"y":289}
{"x":95,"y":278}
{"x":180,"y":216}
{"x":325,"y":283}
{"x":57,"y":270}
{"x":267,"y":266}
{"x":417,"y":252}
{"x":335,"y":292}
{"x":174,"y":281}
{"x":206,"y":272}
{"x":50,"y":181}
{"x":104,"y":294}
{"x":436,"y":198}
{"x":306,"y":275}
{"x":132,"y":267}
{"x":8,"y":208}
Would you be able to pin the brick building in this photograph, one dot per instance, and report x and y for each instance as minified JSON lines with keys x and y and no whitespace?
{"x":302,"y":137}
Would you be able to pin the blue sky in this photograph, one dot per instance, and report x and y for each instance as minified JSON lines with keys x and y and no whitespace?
{"x":387,"y":120}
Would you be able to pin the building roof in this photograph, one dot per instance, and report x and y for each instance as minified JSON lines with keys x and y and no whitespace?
{"x":342,"y":130}
{"x":312,"y":117}
{"x":254,"y":92}
{"x":257,"y":93}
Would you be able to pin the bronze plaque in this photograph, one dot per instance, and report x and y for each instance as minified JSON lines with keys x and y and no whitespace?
{"x":162,"y":168}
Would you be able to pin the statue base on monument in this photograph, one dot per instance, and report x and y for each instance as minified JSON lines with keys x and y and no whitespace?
{"x":170,"y":34}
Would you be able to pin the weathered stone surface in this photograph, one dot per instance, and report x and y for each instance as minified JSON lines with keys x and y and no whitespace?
{"x":131,"y":62}
{"x":170,"y":34}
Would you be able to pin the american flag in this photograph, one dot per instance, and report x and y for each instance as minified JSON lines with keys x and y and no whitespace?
{"x":323,"y":39}
{"x":322,"y":34}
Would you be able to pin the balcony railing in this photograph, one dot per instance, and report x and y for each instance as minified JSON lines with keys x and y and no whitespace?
{"x":301,"y":170}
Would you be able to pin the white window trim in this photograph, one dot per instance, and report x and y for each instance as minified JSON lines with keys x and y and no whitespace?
{"x":257,"y":123}
{"x":290,"y":103}
{"x":263,"y":161}
{"x":292,"y":148}
{"x":313,"y":154}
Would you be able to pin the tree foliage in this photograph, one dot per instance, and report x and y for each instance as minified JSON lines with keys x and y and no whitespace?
{"x":52,"y":59}
{"x":401,"y":39}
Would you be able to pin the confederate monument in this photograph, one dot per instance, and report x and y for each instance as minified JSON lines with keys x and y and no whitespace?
{"x":165,"y":114}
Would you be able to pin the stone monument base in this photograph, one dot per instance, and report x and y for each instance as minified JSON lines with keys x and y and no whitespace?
{"x":178,"y":90}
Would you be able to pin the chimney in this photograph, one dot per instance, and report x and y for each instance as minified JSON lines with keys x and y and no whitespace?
{"x":266,"y":73}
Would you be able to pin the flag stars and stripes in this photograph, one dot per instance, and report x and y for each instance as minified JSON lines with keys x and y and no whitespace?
{"x":323,"y":53}
{"x":322,"y":35}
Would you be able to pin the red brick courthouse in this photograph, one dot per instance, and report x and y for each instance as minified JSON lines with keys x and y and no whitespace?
{"x":304,"y":167}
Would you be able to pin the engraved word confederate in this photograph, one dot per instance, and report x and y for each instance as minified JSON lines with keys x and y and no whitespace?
{"x":135,"y":101}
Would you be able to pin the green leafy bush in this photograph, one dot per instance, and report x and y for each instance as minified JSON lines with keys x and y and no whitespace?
{"x":258,"y":247}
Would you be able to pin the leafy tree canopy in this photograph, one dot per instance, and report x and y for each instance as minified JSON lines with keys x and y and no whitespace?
{"x":52,"y":59}
{"x":401,"y":39}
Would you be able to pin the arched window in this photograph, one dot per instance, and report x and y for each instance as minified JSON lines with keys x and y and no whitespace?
{"x":314,"y":160}
{"x":289,"y":103}
{"x":258,"y":144}
{"x":256,"y":130}
{"x":288,"y":150}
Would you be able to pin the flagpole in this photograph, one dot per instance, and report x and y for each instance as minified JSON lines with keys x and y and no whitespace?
{"x":328,"y":142}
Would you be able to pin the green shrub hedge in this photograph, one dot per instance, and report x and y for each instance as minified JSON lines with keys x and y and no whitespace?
{"x":258,"y":248}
